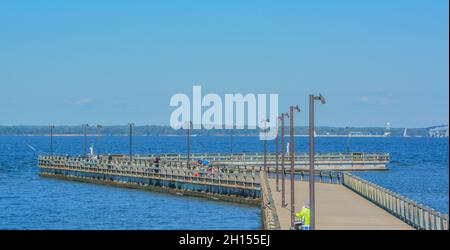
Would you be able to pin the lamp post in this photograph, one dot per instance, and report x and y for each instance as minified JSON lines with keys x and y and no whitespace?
{"x":187,"y":125}
{"x":51,"y":138}
{"x":283,"y":171}
{"x":85,"y":126}
{"x":347,"y":129}
{"x":291,"y":143}
{"x":265,"y":143}
{"x":276,"y":156}
{"x":130,"y":131}
{"x":312,"y":205}
{"x":231,"y":141}
{"x":98,"y":138}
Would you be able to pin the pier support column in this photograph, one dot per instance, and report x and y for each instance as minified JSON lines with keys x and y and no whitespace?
{"x":131,"y":140}
{"x":283,"y":170}
{"x":51,"y":139}
{"x":291,"y":124}
{"x":276,"y":158}
{"x":85,"y":139}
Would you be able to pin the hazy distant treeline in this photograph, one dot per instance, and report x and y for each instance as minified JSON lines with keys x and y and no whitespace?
{"x":167,"y":130}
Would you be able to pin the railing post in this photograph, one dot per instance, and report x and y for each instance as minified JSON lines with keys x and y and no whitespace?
{"x":433,"y":219}
{"x":439,"y":221}
{"x":445,"y":224}
{"x":422,"y":218}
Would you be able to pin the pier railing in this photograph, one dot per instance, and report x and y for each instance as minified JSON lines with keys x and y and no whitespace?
{"x":257,"y":157}
{"x":331,"y":177}
{"x":139,"y":165}
{"x":268,"y":210}
{"x":417,"y":215}
{"x":145,"y":170}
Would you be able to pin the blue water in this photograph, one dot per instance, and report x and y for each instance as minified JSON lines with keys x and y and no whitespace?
{"x":418,"y":170}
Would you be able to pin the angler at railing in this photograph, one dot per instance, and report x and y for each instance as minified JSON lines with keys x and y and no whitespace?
{"x":268,"y":210}
{"x":417,"y":215}
{"x":144,"y":169}
{"x":257,"y":157}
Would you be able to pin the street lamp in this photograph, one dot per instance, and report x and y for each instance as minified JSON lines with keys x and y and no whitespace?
{"x":291,"y":143}
{"x":347,"y":129}
{"x":283,"y":171}
{"x":187,"y":125}
{"x":130,"y":126}
{"x":97,"y":138}
{"x":51,"y":138}
{"x":312,"y":98}
{"x":265,"y":143}
{"x":85,"y":126}
{"x":276,"y":156}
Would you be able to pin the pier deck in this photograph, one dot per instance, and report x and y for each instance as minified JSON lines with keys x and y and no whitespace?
{"x":337,"y":208}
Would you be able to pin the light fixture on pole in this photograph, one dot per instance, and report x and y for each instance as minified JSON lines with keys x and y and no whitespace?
{"x":231,"y":142}
{"x":187,"y":126}
{"x":347,"y":130}
{"x":265,"y":143}
{"x":283,"y":169}
{"x":312,"y":204}
{"x":98,"y":138}
{"x":292,"y":171}
{"x":85,"y":126}
{"x":51,"y":138}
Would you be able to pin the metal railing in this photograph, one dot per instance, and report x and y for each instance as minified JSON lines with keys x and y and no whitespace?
{"x":417,"y":215}
{"x":139,"y":163}
{"x":268,"y":210}
{"x":257,"y":157}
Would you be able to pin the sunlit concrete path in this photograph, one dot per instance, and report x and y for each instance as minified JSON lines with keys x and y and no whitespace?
{"x":337,"y":207}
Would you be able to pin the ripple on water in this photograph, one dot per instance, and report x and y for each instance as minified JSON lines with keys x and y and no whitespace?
{"x":418,"y":170}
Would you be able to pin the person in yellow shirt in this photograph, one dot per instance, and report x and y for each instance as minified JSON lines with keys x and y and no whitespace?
{"x":304,"y":217}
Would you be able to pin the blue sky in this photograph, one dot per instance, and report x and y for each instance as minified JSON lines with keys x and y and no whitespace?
{"x":111,"y":62}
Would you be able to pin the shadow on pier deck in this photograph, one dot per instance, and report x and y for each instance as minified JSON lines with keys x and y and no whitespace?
{"x":337,"y":208}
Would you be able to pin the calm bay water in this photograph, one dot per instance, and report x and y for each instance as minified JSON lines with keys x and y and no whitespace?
{"x":418,"y":169}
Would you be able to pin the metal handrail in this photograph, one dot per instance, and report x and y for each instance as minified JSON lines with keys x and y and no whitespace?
{"x":234,"y":159}
{"x":417,"y":215}
{"x":243,"y":168}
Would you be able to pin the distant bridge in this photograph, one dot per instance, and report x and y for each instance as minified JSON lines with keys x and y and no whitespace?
{"x":344,"y":201}
{"x":438,"y":131}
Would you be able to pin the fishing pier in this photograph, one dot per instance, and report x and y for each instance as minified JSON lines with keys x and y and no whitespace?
{"x":344,"y":201}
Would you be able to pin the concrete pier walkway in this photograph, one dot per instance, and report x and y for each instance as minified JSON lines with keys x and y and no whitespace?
{"x":337,"y":208}
{"x":345,"y":202}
